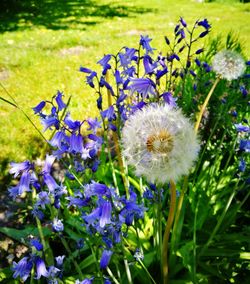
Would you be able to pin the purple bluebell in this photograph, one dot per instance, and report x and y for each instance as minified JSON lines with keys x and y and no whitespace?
{"x":172,"y":57}
{"x":41,"y":269}
{"x":143,"y":86}
{"x":197,"y":61}
{"x":130,"y":72}
{"x":118,"y":77}
{"x":243,"y":91}
{"x":76,"y":144}
{"x":93,"y":216}
{"x":182,"y":48}
{"x":42,"y":199}
{"x":203,"y":34}
{"x":160,"y":73}
{"x":57,"y":225}
{"x":176,"y":29}
{"x":35,"y":243}
{"x":61,"y":105}
{"x":183,"y":22}
{"x":127,"y":57}
{"x":59,"y":139}
{"x":73,"y":125}
{"x":59,"y":260}
{"x":53,"y":272}
{"x":79,"y":202}
{"x":13,"y":191}
{"x":169,"y":99}
{"x":105,"y":258}
{"x":149,"y":65}
{"x":204,"y":23}
{"x":198,"y":51}
{"x":48,"y":164}
{"x":94,"y":123}
{"x":109,"y":113}
{"x":121,"y":98}
{"x":90,"y":79}
{"x":242,"y":165}
{"x":22,"y":268}
{"x":138,"y":255}
{"x":192,"y":73}
{"x":242,"y":128}
{"x":245,"y":145}
{"x":85,"y":70}
{"x":39,"y":107}
{"x":106,"y":210}
{"x":50,"y":182}
{"x":167,"y":40}
{"x":49,"y":121}
{"x":105,"y":60}
{"x":144,"y":42}
{"x":17,"y":168}
{"x":37,"y":213}
{"x":85,"y":281}
{"x":24,"y":183}
{"x":103,"y":82}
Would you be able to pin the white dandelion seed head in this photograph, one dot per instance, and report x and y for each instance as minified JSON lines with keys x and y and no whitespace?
{"x":228,"y":64}
{"x":160,"y":143}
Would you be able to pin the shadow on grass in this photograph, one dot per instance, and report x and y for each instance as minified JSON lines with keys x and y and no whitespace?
{"x":60,"y":14}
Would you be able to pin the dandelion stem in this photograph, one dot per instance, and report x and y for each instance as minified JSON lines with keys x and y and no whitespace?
{"x":203,"y":107}
{"x":167,"y":231}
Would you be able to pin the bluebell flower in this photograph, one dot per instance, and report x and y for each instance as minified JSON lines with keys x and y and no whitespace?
{"x":13,"y":191}
{"x":76,"y":143}
{"x":138,"y":255}
{"x":94,"y":123}
{"x":245,"y":145}
{"x":24,"y":184}
{"x":243,"y":91}
{"x":90,"y":79}
{"x":48,"y":164}
{"x":160,"y":73}
{"x":59,"y":260}
{"x":50,"y":182}
{"x":192,"y":73}
{"x":198,"y":51}
{"x":42,"y":199}
{"x":242,"y":128}
{"x":79,"y":202}
{"x":59,"y":139}
{"x":106,"y":210}
{"x":176,"y":29}
{"x":197,"y":61}
{"x":85,"y":70}
{"x":85,"y":281}
{"x":103,"y":82}
{"x":35,"y":243}
{"x":80,"y":243}
{"x":143,"y":86}
{"x":99,"y":102}
{"x":169,"y":99}
{"x":37,"y":213}
{"x":73,"y":125}
{"x":130,"y":72}
{"x":203,"y":34}
{"x":39,"y":107}
{"x":204,"y":23}
{"x":22,"y":268}
{"x":105,"y":258}
{"x":109,"y":113}
{"x":183,"y":22}
{"x":105,"y":60}
{"x":52,"y":273}
{"x":49,"y":121}
{"x":57,"y":225}
{"x":40,"y":268}
{"x":17,"y":168}
{"x":118,"y":77}
{"x":149,"y":66}
{"x":144,"y":42}
{"x":93,"y":216}
{"x":242,"y":165}
{"x":59,"y":101}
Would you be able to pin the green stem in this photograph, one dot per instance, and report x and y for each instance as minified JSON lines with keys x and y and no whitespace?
{"x":112,"y":276}
{"x":194,"y":242}
{"x":203,"y":107}
{"x":65,"y":244}
{"x":167,"y":231}
{"x":145,"y":269}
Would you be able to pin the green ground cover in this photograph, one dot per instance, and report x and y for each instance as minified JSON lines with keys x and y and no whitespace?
{"x":43,"y":45}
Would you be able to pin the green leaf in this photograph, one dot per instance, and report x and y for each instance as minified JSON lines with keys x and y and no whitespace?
{"x":87,"y":262}
{"x":185,"y":252}
{"x":20,"y":235}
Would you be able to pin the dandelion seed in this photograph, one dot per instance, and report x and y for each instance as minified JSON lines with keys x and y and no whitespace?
{"x":228,"y":64}
{"x":160,"y":143}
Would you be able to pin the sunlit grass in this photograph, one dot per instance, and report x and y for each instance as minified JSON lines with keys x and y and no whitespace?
{"x":37,"y":61}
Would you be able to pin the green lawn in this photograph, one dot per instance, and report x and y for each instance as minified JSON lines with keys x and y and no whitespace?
{"x":43,"y":45}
